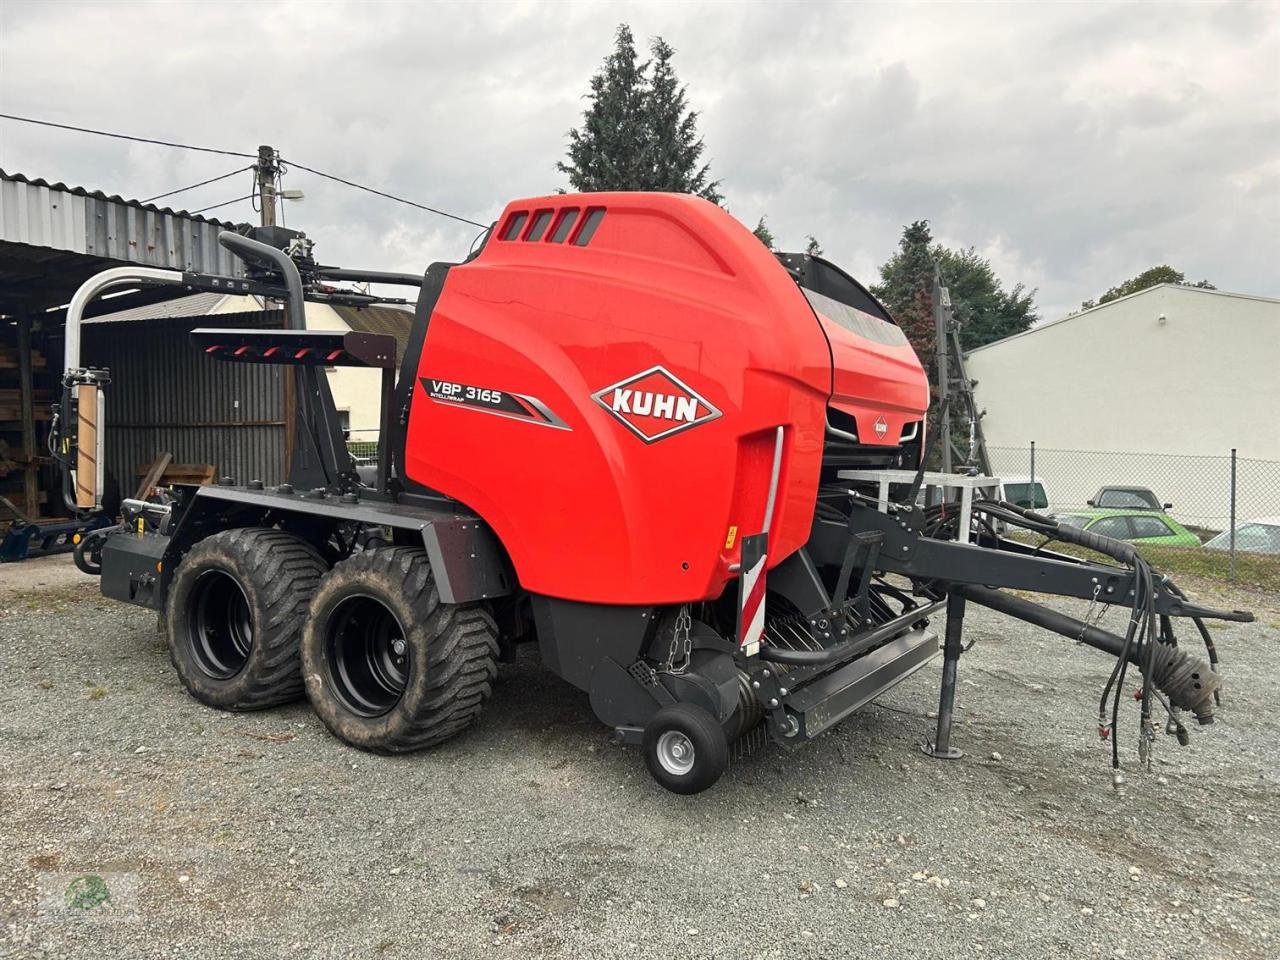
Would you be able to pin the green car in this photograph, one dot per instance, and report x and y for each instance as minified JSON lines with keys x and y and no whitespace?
{"x":1139,"y":526}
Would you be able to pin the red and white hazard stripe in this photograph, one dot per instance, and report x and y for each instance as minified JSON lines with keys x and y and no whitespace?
{"x":753,"y":592}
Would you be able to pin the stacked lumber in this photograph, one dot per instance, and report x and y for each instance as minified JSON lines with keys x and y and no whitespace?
{"x":9,"y":359}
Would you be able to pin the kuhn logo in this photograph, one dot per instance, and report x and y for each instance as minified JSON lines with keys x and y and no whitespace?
{"x":655,"y":404}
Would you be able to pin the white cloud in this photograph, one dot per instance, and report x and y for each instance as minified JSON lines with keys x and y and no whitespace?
{"x":1076,"y":144}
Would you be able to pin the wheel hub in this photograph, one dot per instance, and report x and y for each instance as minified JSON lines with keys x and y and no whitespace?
{"x":675,"y":753}
{"x":220,"y":623}
{"x":369,"y":658}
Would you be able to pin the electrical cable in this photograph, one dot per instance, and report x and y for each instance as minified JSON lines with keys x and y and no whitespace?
{"x":225,"y":203}
{"x":124,"y":136}
{"x":235,"y":153}
{"x":389,"y":196}
{"x":202,"y":183}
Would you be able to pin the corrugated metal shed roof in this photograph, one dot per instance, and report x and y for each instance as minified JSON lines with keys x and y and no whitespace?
{"x":54,"y":236}
{"x":196,"y":305}
{"x":390,"y":320}
{"x":116,"y":198}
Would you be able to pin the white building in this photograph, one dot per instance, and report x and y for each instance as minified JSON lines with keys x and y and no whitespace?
{"x":1171,"y":370}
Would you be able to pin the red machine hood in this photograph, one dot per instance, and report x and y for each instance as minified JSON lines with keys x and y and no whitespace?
{"x":876,"y":377}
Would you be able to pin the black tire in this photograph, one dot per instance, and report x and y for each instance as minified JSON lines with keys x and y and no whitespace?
{"x":685,"y":749}
{"x":388,"y":666}
{"x":234,"y":617}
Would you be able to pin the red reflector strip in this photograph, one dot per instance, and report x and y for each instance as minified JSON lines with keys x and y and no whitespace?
{"x":335,"y":355}
{"x":270,"y":350}
{"x":214,"y":349}
{"x":302,"y":353}
{"x":753,"y":606}
{"x":241,"y":351}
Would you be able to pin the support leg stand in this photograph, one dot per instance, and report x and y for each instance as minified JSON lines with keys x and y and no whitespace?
{"x":940,"y":748}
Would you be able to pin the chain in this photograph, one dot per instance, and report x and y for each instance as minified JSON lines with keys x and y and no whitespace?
{"x":1088,"y":614}
{"x":681,"y":642}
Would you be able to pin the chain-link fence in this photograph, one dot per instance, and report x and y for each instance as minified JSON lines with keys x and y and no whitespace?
{"x":363,"y":445}
{"x":1224,"y":503}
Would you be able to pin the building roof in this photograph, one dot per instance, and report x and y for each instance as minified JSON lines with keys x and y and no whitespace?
{"x":380,"y":319}
{"x":395,"y":321}
{"x":195,"y":305}
{"x":116,"y":198}
{"x":1179,"y":287}
{"x":53,"y":237}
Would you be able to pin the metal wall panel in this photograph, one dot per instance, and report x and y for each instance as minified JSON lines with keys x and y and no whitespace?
{"x":166,"y":395}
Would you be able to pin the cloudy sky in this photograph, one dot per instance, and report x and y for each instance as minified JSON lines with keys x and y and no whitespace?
{"x":1074,"y":144}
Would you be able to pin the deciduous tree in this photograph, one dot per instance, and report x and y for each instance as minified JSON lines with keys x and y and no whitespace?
{"x":1147,"y":278}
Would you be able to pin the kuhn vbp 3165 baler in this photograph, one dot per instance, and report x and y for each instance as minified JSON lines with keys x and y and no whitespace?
{"x":619,"y":431}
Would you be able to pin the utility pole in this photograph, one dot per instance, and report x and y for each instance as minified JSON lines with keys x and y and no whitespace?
{"x":267,"y":170}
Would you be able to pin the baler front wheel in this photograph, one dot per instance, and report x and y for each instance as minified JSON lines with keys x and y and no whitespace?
{"x":234,"y":617}
{"x":685,"y":749}
{"x":388,"y":666}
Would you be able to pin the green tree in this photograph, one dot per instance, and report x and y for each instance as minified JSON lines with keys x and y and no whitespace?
{"x":763,"y":233}
{"x":1147,"y":278}
{"x":674,"y":149}
{"x":986,"y":311}
{"x":638,"y":132}
{"x":607,"y":153}
{"x":813,"y":248}
{"x":906,"y":288}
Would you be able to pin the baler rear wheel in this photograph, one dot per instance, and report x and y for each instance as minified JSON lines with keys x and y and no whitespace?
{"x":388,"y":666}
{"x":234,"y":617}
{"x":685,"y":748}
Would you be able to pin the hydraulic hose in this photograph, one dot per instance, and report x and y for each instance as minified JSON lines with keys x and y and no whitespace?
{"x":1188,"y":682}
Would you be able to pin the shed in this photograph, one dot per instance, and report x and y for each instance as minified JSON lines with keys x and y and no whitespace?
{"x":53,"y":237}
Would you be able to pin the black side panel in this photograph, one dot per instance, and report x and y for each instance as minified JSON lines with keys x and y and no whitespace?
{"x":467,"y":560}
{"x":432,"y":287}
{"x":574,"y":638}
{"x":824,"y":277}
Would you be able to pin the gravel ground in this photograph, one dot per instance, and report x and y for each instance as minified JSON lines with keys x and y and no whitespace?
{"x":220,"y":835}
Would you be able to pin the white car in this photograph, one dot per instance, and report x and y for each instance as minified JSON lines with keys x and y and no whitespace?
{"x":1019,"y":491}
{"x":1253,"y":536}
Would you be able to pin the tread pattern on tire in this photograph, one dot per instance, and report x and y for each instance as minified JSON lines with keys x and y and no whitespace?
{"x":460,"y":662}
{"x":285,"y":572}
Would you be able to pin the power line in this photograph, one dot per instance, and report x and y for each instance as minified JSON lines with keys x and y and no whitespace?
{"x":389,"y":196}
{"x":202,"y":183}
{"x":225,"y":203}
{"x":123,"y":136}
{"x":236,"y":153}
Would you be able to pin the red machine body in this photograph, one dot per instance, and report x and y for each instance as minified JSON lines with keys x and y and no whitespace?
{"x":603,"y":385}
